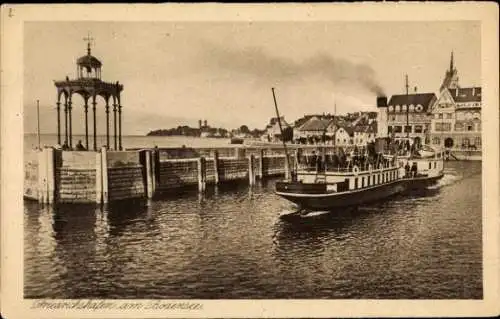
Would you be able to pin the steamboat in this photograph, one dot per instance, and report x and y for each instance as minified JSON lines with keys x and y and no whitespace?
{"x":376,"y":174}
{"x":323,"y":188}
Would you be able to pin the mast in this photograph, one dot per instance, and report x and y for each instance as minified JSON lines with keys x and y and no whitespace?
{"x":38,"y":121}
{"x":281,"y":130}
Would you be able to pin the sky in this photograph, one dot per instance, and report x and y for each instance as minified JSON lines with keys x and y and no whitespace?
{"x":175,"y":73}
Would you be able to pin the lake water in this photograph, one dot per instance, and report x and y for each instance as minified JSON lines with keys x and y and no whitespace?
{"x":231,"y":243}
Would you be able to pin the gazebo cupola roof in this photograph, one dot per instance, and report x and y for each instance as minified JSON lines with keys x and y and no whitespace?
{"x":89,"y":63}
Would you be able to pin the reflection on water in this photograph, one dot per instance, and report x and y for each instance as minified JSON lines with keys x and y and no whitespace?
{"x":231,"y":243}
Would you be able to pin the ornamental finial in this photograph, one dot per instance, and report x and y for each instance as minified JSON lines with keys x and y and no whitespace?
{"x":89,"y":39}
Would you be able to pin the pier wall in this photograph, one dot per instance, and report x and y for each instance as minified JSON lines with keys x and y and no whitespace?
{"x":104,"y":176}
{"x":31,"y":180}
{"x":126,"y":182}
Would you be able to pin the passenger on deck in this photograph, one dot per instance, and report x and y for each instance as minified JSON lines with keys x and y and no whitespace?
{"x":65,"y":146}
{"x":407,"y":170}
{"x":414,"y":169}
{"x":80,"y":147}
{"x":314,"y":159}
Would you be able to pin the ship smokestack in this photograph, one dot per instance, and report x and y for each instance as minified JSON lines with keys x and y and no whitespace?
{"x":382,"y":117}
{"x":381,"y":101}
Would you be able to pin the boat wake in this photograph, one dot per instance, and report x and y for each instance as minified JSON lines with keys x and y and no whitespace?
{"x":448,"y":179}
{"x":298,"y":213}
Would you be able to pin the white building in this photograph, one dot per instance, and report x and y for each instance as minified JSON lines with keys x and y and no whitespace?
{"x":456,"y":115}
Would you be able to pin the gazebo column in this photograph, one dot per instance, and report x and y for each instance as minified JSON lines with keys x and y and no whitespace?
{"x":86,"y":106}
{"x":114,"y":123}
{"x":58,"y":122}
{"x":66,"y":139}
{"x":95,"y":123}
{"x":120,"y":126}
{"x":70,"y":124}
{"x":107,"y":123}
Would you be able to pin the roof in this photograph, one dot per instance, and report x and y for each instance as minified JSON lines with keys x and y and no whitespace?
{"x":315,"y":124}
{"x":348,"y":129}
{"x":366,"y":128}
{"x":424,"y":99}
{"x":472,"y":94}
{"x":307,"y":117}
{"x":89,"y":61}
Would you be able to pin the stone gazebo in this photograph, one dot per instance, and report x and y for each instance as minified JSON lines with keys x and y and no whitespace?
{"x":89,"y":86}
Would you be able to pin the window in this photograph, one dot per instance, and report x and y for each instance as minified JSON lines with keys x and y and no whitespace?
{"x":435,"y":164}
{"x":389,"y":129}
{"x":378,"y":178}
{"x":356,"y":182}
{"x":449,"y":115}
{"x":398,"y":129}
{"x":436,"y":141}
{"x":440,"y":115}
{"x":362,"y":182}
{"x":442,"y":127}
{"x":393,"y":118}
{"x":469,"y":128}
{"x":418,"y":128}
{"x":430,"y":165}
{"x":407,"y":128}
{"x":459,"y":127}
{"x":465,"y":142}
{"x":477,"y":141}
{"x":419,"y":108}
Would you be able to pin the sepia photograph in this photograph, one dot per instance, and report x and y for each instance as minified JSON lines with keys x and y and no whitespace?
{"x":252,"y":159}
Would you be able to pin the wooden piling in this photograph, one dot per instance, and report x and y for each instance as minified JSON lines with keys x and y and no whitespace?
{"x":261,"y":164}
{"x":42,"y":176}
{"x":216,"y":166}
{"x":51,"y":182}
{"x":104,"y":175}
{"x":287,"y":168}
{"x":98,"y":178}
{"x":251,"y":172}
{"x":149,"y":175}
{"x":201,"y":174}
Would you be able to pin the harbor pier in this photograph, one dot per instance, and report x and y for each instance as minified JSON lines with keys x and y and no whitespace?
{"x":103,"y":176}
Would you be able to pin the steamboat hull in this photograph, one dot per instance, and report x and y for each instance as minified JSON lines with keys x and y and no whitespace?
{"x":418,"y":183}
{"x":314,"y":196}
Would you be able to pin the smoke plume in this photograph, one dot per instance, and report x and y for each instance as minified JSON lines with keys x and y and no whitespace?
{"x":257,"y":62}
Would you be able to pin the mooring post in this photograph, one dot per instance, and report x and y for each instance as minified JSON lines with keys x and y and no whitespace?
{"x":201,"y":174}
{"x":98,"y":178}
{"x":104,"y":174}
{"x":251,"y":172}
{"x":153,"y":169}
{"x":50,"y":175}
{"x":287,"y":168}
{"x":42,"y":176}
{"x":261,"y":164}
{"x":149,"y":175}
{"x":216,"y":166}
{"x":297,"y":156}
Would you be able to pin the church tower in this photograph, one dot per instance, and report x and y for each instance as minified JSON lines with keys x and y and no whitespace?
{"x":450,"y":80}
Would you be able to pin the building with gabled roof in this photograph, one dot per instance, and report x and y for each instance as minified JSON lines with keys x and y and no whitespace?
{"x":409,"y":115}
{"x":456,"y":115}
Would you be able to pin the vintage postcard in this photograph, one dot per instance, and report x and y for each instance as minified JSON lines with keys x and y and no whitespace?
{"x":261,"y":161}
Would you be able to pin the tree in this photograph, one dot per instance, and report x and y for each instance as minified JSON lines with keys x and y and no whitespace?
{"x":244,"y":129}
